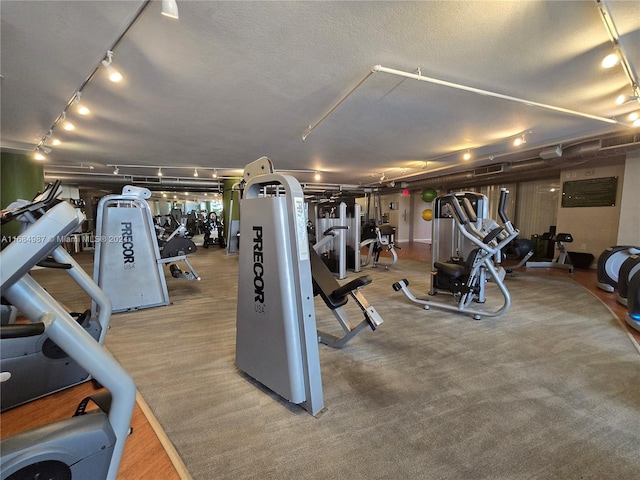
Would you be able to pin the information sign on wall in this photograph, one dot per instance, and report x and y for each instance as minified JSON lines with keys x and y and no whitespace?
{"x":595,"y":192}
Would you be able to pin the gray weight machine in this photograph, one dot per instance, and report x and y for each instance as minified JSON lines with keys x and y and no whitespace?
{"x":380,"y":237}
{"x":128,"y":264}
{"x":276,"y":339}
{"x":34,"y":365}
{"x":340,"y":227}
{"x":464,"y":276}
{"x":90,"y":444}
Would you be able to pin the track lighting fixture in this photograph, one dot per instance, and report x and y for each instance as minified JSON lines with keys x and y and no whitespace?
{"x":610,"y":60}
{"x":195,"y":172}
{"x":39,"y":153}
{"x":55,"y":141}
{"x":215,"y":173}
{"x":520,"y":141}
{"x":621,"y":54}
{"x":159,"y":172}
{"x":114,"y":75}
{"x":68,"y":126}
{"x":467,"y":155}
{"x":170,"y":8}
{"x":116,"y":170}
{"x":317,"y":176}
{"x":82,"y":109}
{"x":622,"y":99}
{"x":46,"y":150}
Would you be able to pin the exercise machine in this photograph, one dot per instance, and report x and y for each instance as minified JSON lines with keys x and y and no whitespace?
{"x":336,"y":296}
{"x":340,"y":224}
{"x":627,"y":270}
{"x":562,"y":261}
{"x":465,"y":277}
{"x":90,"y":444}
{"x":633,"y":302}
{"x":213,"y":232}
{"x":276,"y":337}
{"x":376,"y":238}
{"x":521,"y":249}
{"x":128,"y":264}
{"x":609,"y":263}
{"x":34,"y":365}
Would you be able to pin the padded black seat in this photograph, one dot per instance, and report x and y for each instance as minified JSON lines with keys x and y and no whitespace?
{"x":563,"y":237}
{"x":326,"y":285}
{"x":451,"y":270}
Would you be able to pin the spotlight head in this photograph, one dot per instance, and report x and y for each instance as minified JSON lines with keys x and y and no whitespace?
{"x":626,"y":99}
{"x":610,"y":60}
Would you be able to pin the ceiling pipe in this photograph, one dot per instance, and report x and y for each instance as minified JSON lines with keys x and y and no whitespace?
{"x":466,"y":88}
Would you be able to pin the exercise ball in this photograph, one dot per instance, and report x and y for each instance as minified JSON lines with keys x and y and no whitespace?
{"x":428,"y":194}
{"x":427,"y":214}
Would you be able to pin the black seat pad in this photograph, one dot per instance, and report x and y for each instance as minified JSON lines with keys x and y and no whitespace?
{"x":451,"y":270}
{"x":326,"y":285}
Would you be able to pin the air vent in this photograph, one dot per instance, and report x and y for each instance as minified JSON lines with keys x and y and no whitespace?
{"x":620,"y":141}
{"x":145,"y":179}
{"x":489,"y":170}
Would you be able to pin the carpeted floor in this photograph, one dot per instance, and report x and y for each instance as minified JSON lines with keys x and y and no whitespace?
{"x":550,"y":390}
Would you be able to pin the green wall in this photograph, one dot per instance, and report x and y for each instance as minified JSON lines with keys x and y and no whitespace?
{"x":20,"y":177}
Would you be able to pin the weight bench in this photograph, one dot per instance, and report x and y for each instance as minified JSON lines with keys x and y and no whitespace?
{"x":335,"y":296}
{"x":563,"y":261}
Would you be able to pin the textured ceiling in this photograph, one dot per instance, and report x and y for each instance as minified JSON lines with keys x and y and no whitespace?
{"x":232,"y":81}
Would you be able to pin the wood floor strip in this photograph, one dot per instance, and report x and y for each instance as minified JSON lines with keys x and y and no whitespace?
{"x":177,"y":462}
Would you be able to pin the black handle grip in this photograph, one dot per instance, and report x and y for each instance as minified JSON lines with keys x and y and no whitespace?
{"x":21,"y":330}
{"x":462,"y":218}
{"x":502,"y":206}
{"x":470,"y":212}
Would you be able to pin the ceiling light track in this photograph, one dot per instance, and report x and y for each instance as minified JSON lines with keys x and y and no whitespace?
{"x":624,"y":61}
{"x":75,"y":98}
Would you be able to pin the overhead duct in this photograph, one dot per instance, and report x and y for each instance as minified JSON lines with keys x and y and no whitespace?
{"x":154,"y":183}
{"x":537,"y":167}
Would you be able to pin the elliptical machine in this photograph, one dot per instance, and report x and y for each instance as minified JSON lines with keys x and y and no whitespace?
{"x":609,"y":263}
{"x":465,"y":279}
{"x":90,"y":444}
{"x":36,"y":366}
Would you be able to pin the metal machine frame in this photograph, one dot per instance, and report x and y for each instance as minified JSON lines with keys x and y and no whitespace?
{"x":469,"y":281}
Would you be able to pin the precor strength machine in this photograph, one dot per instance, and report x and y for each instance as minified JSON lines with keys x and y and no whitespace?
{"x":464,"y":277}
{"x":276,"y":339}
{"x":128,"y":264}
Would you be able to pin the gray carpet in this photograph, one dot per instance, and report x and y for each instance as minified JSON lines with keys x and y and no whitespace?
{"x":550,"y":390}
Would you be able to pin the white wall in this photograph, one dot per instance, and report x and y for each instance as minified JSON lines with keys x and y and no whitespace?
{"x":629,"y":227}
{"x":593,"y":228}
{"x":421,"y":228}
